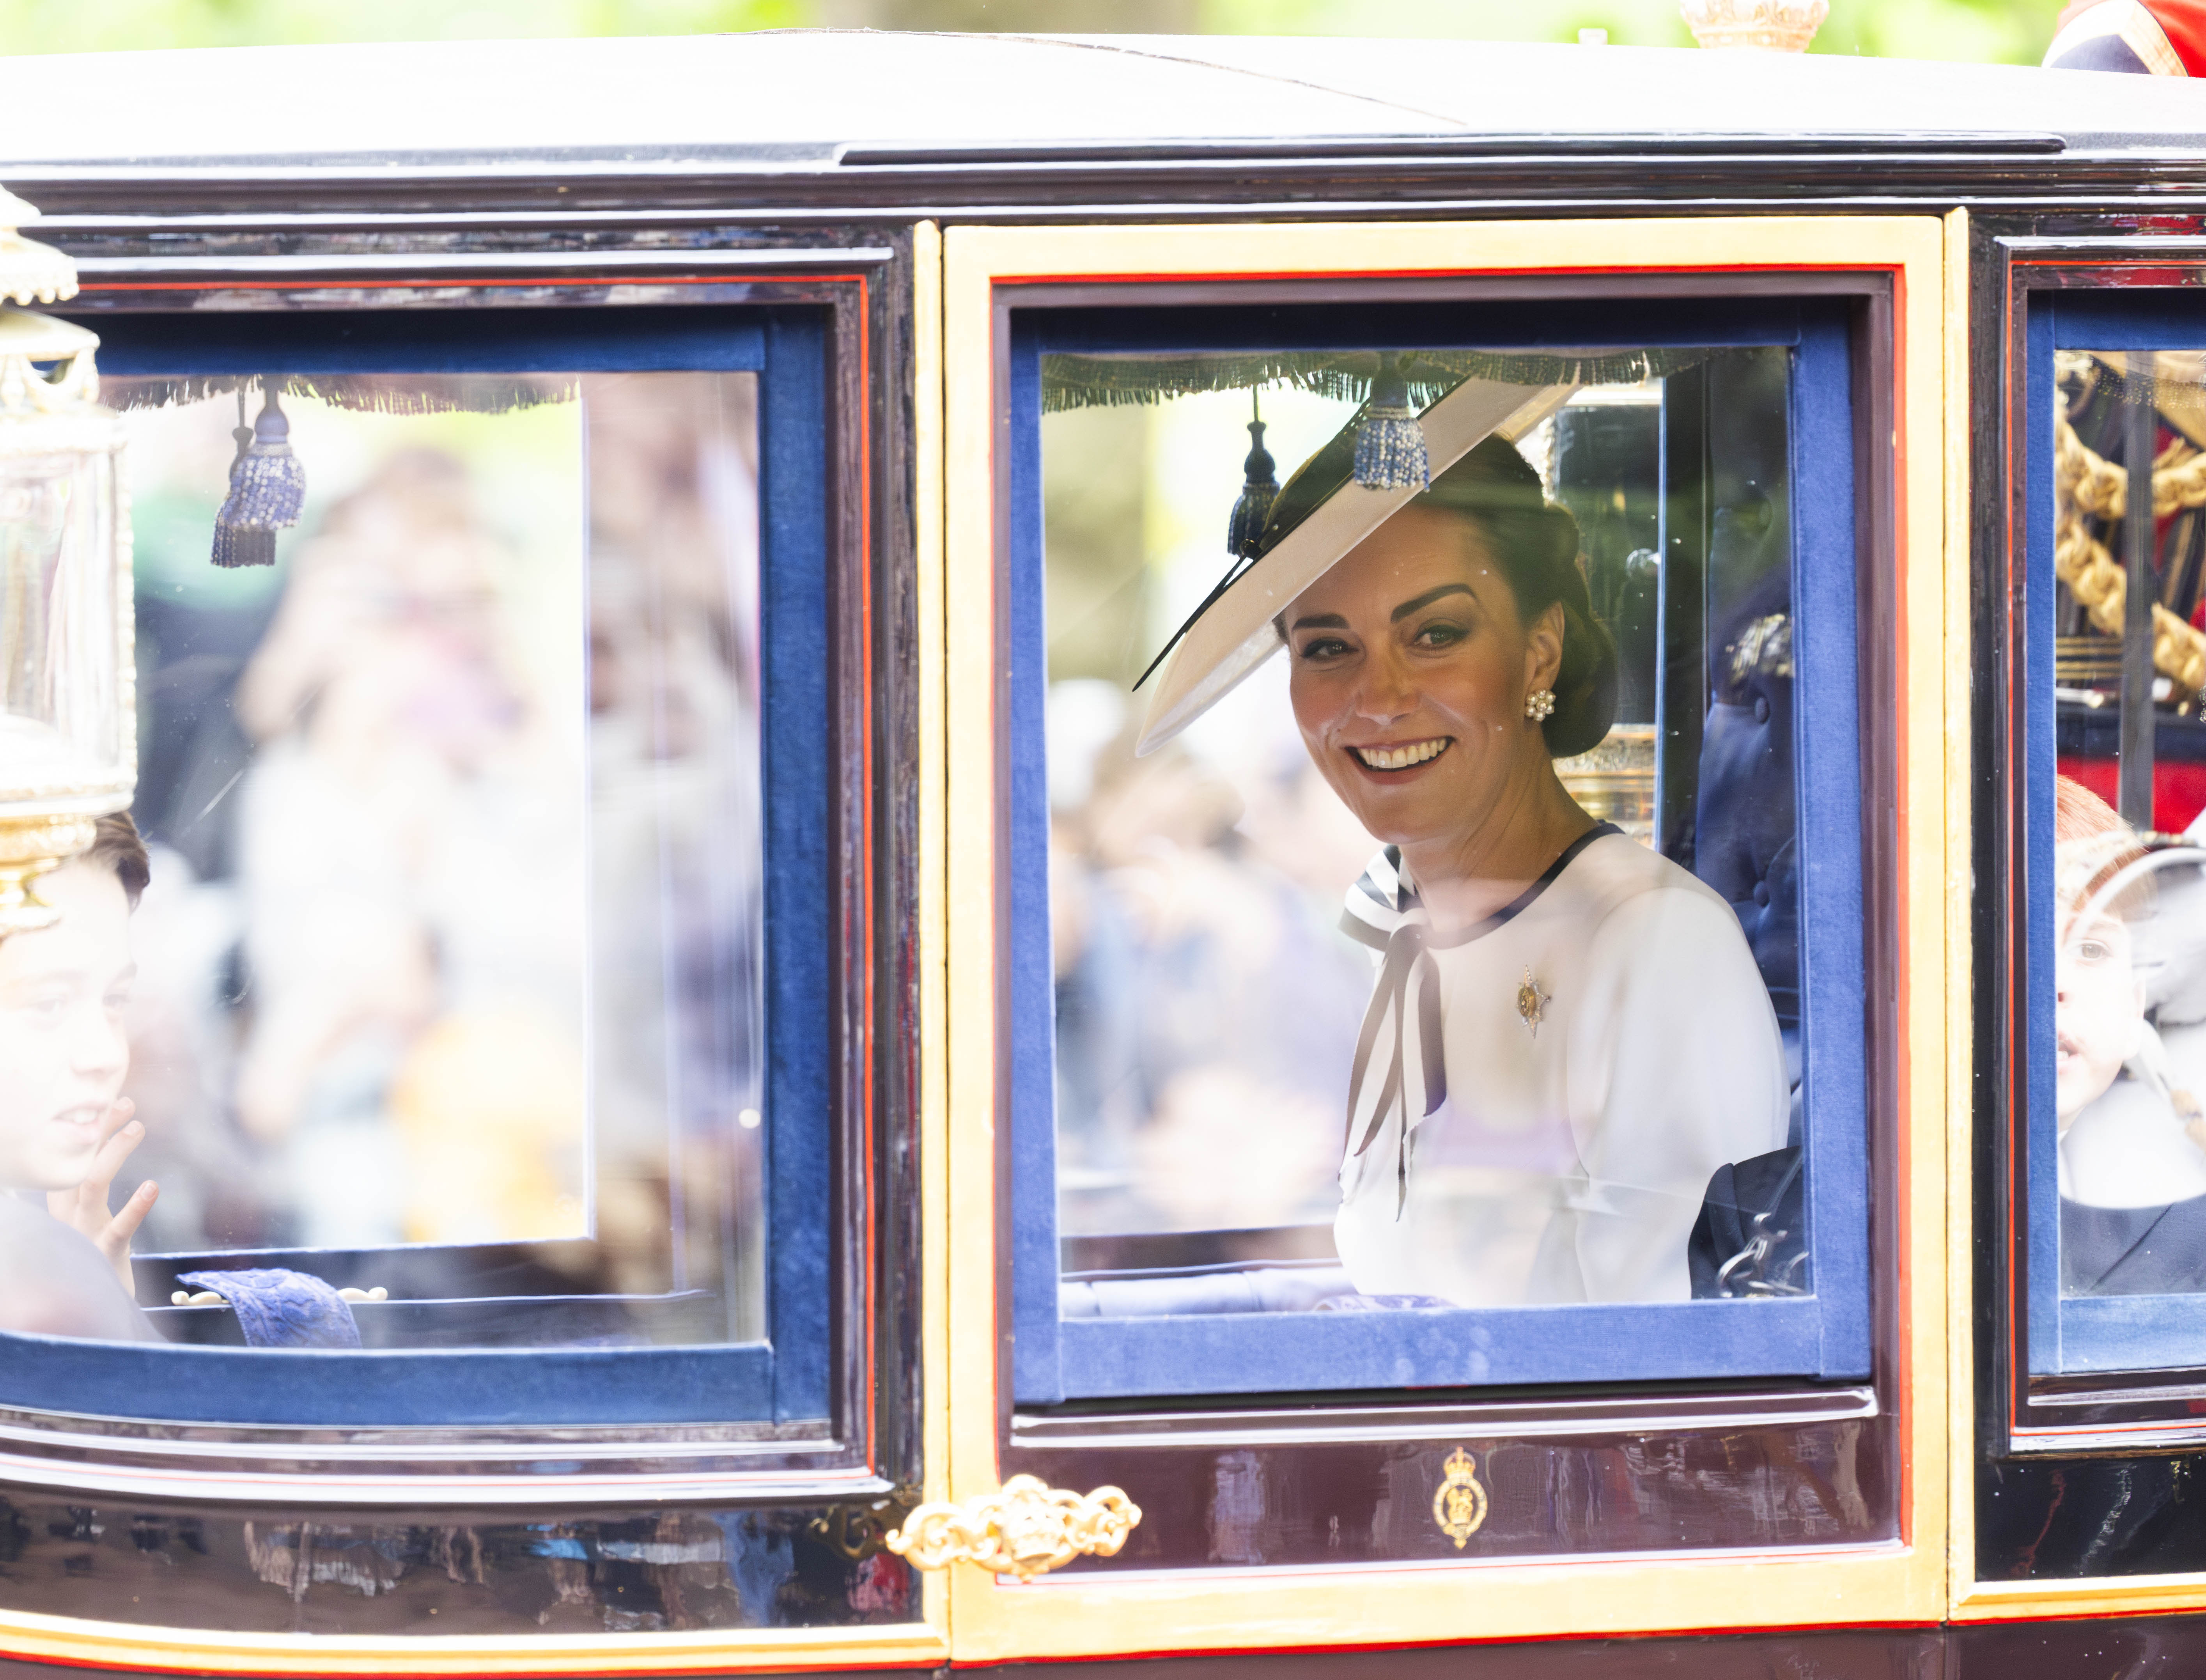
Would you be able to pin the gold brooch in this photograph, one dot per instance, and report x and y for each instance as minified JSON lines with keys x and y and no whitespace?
{"x":1532,"y":1003}
{"x":1459,"y":1506}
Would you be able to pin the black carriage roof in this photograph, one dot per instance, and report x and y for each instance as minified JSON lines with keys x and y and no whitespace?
{"x":782,"y":108}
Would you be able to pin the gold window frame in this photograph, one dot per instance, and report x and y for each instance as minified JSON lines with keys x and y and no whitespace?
{"x":1105,"y":1613}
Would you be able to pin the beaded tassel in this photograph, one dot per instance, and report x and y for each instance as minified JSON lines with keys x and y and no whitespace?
{"x":1245,"y":530}
{"x":1390,"y":444}
{"x":267,"y":489}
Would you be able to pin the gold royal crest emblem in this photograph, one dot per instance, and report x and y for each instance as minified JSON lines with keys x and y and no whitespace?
{"x":1459,"y":1503}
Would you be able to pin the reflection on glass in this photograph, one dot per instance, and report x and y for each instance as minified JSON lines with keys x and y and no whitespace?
{"x":64,"y":1255}
{"x":1543,"y":1046}
{"x":59,"y":731}
{"x":2128,"y":907}
{"x":449,"y":970}
{"x":2130,"y":1053}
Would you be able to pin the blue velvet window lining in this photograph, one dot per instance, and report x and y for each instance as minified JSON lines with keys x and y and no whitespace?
{"x":1826,"y":1335}
{"x":2074,"y":1333}
{"x":787,"y":1376}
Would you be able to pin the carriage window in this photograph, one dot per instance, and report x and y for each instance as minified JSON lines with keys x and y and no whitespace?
{"x":1448,"y":752}
{"x":2117,"y":1007}
{"x":458,"y":967}
{"x":449,"y":967}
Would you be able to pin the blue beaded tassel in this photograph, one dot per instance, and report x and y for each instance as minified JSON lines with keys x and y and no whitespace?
{"x":1245,"y":530}
{"x":267,"y":489}
{"x":1390,"y":444}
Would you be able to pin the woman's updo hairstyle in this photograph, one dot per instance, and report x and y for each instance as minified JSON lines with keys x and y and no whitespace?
{"x":1535,"y":544}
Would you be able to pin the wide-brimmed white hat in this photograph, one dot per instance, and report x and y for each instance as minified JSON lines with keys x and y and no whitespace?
{"x":1232,"y":633}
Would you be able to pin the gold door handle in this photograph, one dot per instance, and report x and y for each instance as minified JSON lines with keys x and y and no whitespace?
{"x":1025,"y":1528}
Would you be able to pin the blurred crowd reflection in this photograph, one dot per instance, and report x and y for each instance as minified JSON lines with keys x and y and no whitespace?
{"x":1207,"y":1003}
{"x":453,"y":933}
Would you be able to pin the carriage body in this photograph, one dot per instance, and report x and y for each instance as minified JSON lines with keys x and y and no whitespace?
{"x":886,"y":253}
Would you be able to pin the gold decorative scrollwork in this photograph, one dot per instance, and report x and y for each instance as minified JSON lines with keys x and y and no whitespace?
{"x":1025,"y":1528}
{"x":1459,"y":1502}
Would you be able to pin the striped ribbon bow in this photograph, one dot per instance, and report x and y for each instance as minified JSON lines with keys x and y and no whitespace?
{"x":1383,"y":912}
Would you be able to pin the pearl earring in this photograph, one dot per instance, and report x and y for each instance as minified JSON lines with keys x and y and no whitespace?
{"x":1540,"y":704}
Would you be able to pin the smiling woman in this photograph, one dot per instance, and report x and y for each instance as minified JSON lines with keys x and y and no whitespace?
{"x":1611,"y":1043}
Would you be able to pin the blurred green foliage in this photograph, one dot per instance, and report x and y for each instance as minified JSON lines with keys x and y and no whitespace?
{"x":2002,"y":31}
{"x":113,"y":26}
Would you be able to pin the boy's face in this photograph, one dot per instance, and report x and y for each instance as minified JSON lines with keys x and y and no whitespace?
{"x":63,"y":1053}
{"x":2099,"y":1010}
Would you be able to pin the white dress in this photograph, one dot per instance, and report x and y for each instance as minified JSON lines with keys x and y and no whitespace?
{"x":1570,"y":1155}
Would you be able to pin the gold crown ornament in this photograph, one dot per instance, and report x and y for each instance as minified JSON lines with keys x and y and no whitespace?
{"x":1761,"y":25}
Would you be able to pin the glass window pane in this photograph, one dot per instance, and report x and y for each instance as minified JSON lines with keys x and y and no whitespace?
{"x":2118,"y":1050}
{"x":1443,"y":950}
{"x":450,"y":967}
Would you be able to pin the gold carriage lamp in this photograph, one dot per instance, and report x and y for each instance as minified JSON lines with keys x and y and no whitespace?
{"x":68,"y":694}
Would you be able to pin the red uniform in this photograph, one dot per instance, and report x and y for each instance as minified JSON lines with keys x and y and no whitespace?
{"x":2159,"y":38}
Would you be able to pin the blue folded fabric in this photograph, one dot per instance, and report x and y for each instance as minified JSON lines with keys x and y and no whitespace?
{"x":276,"y":1309}
{"x":1254,"y":1289}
